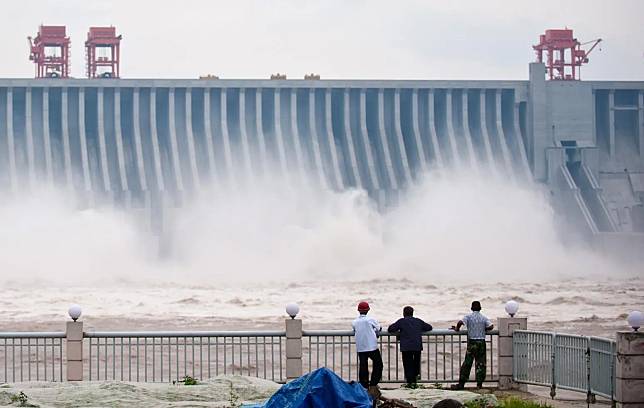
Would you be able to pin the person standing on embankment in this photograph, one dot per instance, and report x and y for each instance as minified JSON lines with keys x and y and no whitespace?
{"x":366,"y":335}
{"x":477,"y":326}
{"x":410,"y":330}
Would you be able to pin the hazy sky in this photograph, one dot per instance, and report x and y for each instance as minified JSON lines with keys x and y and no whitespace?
{"x":416,"y":39}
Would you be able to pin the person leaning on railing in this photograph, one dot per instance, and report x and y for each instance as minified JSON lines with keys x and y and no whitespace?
{"x":366,"y":335}
{"x":409,"y":330}
{"x":477,"y":326}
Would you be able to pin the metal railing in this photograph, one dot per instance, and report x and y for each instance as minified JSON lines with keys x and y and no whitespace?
{"x":443,"y":352}
{"x":31,"y":356}
{"x":160,"y":356}
{"x":576,"y":363}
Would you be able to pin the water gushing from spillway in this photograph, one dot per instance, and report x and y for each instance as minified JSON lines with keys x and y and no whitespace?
{"x":451,"y":226}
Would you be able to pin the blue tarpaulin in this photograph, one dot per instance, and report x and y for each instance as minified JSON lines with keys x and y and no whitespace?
{"x":320,"y":388}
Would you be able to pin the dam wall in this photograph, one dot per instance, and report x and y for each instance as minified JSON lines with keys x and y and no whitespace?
{"x":152,"y":143}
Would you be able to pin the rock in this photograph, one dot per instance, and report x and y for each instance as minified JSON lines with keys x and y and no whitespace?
{"x":221,"y":391}
{"x":430,"y":397}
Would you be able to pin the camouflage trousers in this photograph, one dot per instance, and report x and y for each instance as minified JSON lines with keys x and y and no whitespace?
{"x":475,"y":352}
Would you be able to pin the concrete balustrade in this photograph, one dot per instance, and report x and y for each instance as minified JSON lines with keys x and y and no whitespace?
{"x":505,"y":352}
{"x":74,"y":349}
{"x":293,"y":348}
{"x":629,"y":370}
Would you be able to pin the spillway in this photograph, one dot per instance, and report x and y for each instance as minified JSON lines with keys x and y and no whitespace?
{"x":151,"y":143}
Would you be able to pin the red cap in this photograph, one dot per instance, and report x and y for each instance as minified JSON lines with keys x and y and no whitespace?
{"x":363,"y":307}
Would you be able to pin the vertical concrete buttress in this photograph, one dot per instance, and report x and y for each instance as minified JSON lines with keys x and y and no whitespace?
{"x":49,"y":172}
{"x":138,"y":146}
{"x":384,"y":143}
{"x":449,"y":108}
{"x":174,"y":147}
{"x":154,"y":135}
{"x":415,"y":126}
{"x":118,"y":134}
{"x":11,"y":148}
{"x":66,"y":148}
{"x":465,"y":110}
{"x":611,"y":122}
{"x":640,"y":121}
{"x":499,"y":128}
{"x":190,"y":138}
{"x":225,"y":136}
{"x":485,"y":134}
{"x":315,"y":140}
{"x":101,"y":141}
{"x":507,"y":160}
{"x":279,"y":136}
{"x":366,"y":142}
{"x":87,"y":180}
{"x":538,"y":134}
{"x":296,"y":135}
{"x":432,"y":128}
{"x":525,"y":166}
{"x":399,"y":138}
{"x":328,"y":120}
{"x":243,"y":132}
{"x":261,"y":140}
{"x":31,"y":163}
{"x":346,"y":106}
{"x":212,"y":169}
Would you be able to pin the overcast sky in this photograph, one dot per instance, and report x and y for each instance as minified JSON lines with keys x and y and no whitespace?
{"x":337,"y":39}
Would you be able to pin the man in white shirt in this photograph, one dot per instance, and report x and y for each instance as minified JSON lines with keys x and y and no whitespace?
{"x":366,"y":333}
{"x":477,"y":325}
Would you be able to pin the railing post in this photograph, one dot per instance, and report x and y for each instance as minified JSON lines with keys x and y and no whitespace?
{"x":507,"y":326}
{"x":629,"y":370}
{"x":293,"y":348}
{"x":74,"y":350}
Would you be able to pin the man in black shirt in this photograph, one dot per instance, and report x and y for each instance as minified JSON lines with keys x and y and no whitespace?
{"x":410,"y":329}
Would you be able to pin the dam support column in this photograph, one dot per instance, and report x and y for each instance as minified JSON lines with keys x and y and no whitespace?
{"x":640,"y":116}
{"x":629,"y":370}
{"x":293,"y":348}
{"x":74,"y":347}
{"x":507,"y":326}
{"x":537,"y":120}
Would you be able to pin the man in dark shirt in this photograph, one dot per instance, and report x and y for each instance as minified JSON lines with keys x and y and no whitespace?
{"x":410,"y":329}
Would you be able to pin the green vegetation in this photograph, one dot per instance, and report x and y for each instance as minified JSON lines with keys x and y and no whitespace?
{"x":511,"y":402}
{"x":233,"y":399}
{"x":22,"y":399}
{"x":187,"y":380}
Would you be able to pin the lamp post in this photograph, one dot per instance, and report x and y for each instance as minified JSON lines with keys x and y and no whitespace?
{"x":635,"y":319}
{"x":293,"y":342}
{"x":511,"y":307}
{"x":629,"y":363}
{"x":74,"y":340}
{"x":292,"y":309}
{"x":505,"y":350}
{"x":75,"y":312}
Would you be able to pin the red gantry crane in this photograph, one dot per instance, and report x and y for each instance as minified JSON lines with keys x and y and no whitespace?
{"x":103,"y":52}
{"x":50,"y":52}
{"x":561,"y":64}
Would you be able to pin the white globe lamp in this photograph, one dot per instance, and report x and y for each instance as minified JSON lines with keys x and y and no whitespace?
{"x":75,"y":312}
{"x":635,"y":319}
{"x":511,"y":307}
{"x":292,"y":309}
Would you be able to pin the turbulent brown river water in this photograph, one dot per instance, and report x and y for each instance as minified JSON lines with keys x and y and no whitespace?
{"x":584,"y":306}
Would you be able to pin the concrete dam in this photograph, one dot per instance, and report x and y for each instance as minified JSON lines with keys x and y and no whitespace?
{"x":148,"y":144}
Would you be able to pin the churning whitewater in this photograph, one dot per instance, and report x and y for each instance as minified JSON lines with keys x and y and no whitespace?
{"x":255,"y":241}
